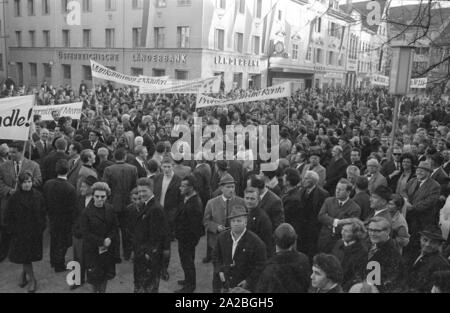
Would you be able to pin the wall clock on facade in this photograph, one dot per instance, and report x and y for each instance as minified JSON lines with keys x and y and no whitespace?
{"x":279,"y":47}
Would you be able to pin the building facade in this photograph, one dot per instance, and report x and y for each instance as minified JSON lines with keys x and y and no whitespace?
{"x":182,"y":39}
{"x":3,"y":43}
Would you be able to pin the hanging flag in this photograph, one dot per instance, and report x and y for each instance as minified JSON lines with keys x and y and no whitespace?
{"x":145,"y":23}
{"x":267,"y":30}
{"x":343,"y":29}
{"x":311,"y":30}
{"x":230,"y":30}
{"x":287,"y":38}
{"x":248,"y":29}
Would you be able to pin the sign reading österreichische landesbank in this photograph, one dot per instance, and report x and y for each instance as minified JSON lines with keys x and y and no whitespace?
{"x":179,"y":58}
{"x":237,"y":61}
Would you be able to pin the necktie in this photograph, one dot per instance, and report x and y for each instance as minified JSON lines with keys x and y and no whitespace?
{"x":227,"y":222}
{"x":17,"y":169}
{"x":372,"y":251}
{"x":45,"y":147}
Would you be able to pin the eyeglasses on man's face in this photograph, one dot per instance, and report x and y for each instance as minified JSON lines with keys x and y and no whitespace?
{"x":99,"y":197}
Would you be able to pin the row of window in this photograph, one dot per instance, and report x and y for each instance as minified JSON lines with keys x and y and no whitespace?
{"x":86,"y":5}
{"x":222,"y":4}
{"x":87,"y":73}
{"x":183,"y":36}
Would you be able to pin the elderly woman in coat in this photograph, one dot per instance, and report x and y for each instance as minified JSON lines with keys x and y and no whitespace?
{"x":352,"y":252}
{"x":25,"y":220}
{"x":99,"y":227}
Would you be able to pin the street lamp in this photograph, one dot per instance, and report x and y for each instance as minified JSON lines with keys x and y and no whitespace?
{"x":400,"y":78}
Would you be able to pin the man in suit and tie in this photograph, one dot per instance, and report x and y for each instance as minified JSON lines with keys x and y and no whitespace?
{"x":215,"y":217}
{"x":167,"y":192}
{"x":148,"y":142}
{"x":239,"y":255}
{"x":355,"y":158}
{"x":94,"y":141}
{"x":375,"y":177}
{"x":312,"y":197}
{"x":423,"y":193}
{"x":9,"y":173}
{"x":48,"y":164}
{"x":42,"y":146}
{"x":140,"y":161}
{"x":75,"y":163}
{"x":334,"y":210}
{"x":392,"y":165}
{"x":121,"y":178}
{"x":270,"y":202}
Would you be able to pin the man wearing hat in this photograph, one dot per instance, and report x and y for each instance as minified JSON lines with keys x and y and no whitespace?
{"x":220,"y":169}
{"x":216,"y":212}
{"x":239,"y":255}
{"x":420,"y":268}
{"x":167,"y":192}
{"x":375,"y":177}
{"x":379,"y":200}
{"x":422,"y":192}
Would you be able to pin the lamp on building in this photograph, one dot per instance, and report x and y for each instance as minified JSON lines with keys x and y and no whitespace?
{"x":400,"y":79}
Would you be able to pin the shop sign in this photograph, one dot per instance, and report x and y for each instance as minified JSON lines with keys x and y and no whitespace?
{"x":160,"y":58}
{"x":236,"y":61}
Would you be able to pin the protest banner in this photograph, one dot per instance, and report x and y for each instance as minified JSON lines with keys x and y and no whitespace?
{"x":419,"y":83}
{"x":274,"y":92}
{"x":379,"y":80}
{"x":72,"y":110}
{"x":102,"y":72}
{"x":15,"y":117}
{"x":195,"y":86}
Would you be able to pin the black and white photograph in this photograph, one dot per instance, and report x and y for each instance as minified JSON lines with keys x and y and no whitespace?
{"x":237,"y":148}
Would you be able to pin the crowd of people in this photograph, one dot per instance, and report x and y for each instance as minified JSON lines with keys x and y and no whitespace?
{"x":340,"y":198}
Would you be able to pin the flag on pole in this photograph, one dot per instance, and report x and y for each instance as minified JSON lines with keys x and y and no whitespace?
{"x":230,"y":30}
{"x":248,"y":28}
{"x":267,"y":29}
{"x":343,"y":29}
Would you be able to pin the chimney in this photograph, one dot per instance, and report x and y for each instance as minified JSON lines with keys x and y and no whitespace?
{"x":349,"y":6}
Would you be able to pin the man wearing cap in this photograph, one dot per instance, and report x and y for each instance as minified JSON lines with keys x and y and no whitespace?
{"x":239,"y":255}
{"x":422,"y":192}
{"x":314,"y":165}
{"x":167,"y":192}
{"x":216,"y":212}
{"x":420,"y":268}
{"x":220,"y":170}
{"x":374,"y":176}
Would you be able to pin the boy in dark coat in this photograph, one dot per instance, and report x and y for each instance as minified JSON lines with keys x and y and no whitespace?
{"x":151,"y":240}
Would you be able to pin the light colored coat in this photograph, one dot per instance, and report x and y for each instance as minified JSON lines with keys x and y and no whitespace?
{"x":215,"y":215}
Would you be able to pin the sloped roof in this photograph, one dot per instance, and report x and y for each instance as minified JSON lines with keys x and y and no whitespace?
{"x":361,"y":7}
{"x":416,"y":17}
